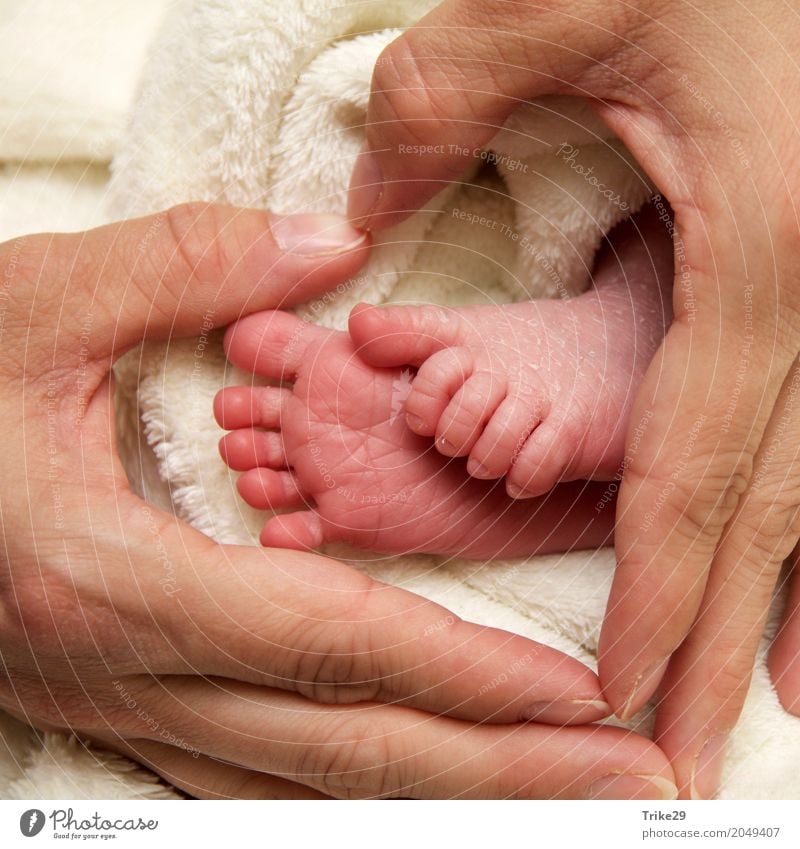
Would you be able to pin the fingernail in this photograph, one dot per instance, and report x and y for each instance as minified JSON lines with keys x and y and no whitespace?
{"x":415,"y":423}
{"x":366,"y":188}
{"x":315,"y":235}
{"x":625,"y":786}
{"x":517,"y":491}
{"x":564,"y":713}
{"x":476,"y":470}
{"x":707,"y":772}
{"x":643,"y":688}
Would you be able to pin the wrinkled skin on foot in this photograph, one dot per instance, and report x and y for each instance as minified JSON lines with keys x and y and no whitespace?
{"x":539,"y":391}
{"x":340,"y":453}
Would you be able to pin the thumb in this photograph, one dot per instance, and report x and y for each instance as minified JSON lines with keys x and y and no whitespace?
{"x":445,"y":87}
{"x":183,"y":271}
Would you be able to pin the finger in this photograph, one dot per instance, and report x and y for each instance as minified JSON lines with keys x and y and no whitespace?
{"x":369,"y":750}
{"x":784,"y":655}
{"x":207,"y":778}
{"x":709,"y":675}
{"x":181,"y":272}
{"x":316,"y":626}
{"x":446,"y":86}
{"x":683,"y":483}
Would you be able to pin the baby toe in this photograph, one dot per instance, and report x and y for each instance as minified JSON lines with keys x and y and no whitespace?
{"x":471,"y":407}
{"x":543,"y":462}
{"x":250,"y":406}
{"x":301,"y":531}
{"x":273,"y":343}
{"x":437,"y":380}
{"x":502,"y":439}
{"x":403,"y":335}
{"x":247,"y":449}
{"x":266,"y":489}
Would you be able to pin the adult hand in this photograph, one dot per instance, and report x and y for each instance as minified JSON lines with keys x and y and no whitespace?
{"x":707,"y":511}
{"x":237,"y":670}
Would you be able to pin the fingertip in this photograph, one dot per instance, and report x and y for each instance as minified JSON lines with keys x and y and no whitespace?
{"x":628,"y":694}
{"x":366,"y":189}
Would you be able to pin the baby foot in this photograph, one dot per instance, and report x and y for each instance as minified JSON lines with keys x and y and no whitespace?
{"x":538,"y":392}
{"x":334,"y":450}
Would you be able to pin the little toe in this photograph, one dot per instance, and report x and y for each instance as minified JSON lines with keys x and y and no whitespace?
{"x":250,"y":406}
{"x":396,"y":336}
{"x":467,"y":414}
{"x":301,"y":530}
{"x":437,"y":380}
{"x":503,"y":438}
{"x":543,"y":462}
{"x":265,"y":489}
{"x":247,"y":449}
{"x":272,"y":343}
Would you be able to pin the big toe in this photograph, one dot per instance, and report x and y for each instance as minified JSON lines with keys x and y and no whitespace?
{"x":272,"y":343}
{"x":394,"y":336}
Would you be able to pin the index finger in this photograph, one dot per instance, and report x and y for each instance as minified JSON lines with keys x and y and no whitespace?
{"x":303,"y":622}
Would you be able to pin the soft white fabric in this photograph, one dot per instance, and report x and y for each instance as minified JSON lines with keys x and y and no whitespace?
{"x":68,"y":71}
{"x":260,"y":103}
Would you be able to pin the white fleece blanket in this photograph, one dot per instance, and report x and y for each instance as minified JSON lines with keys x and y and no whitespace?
{"x":260,"y":103}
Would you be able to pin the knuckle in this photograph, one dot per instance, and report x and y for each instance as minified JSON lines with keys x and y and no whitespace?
{"x":728,"y":682}
{"x":195,"y":242}
{"x":342,"y":677}
{"x":770,"y":529}
{"x":355,"y":760}
{"x":400,"y":88}
{"x":341,"y":669}
{"x":694,"y":507}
